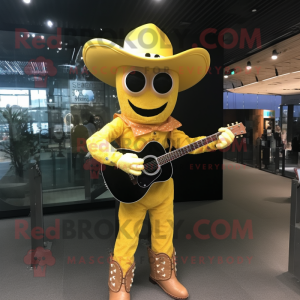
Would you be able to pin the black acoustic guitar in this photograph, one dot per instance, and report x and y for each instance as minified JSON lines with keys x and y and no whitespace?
{"x":128,"y":188}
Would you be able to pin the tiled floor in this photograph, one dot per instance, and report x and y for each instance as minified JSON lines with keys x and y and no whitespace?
{"x":259,"y":265}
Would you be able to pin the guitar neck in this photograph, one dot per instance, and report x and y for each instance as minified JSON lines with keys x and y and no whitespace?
{"x":168,"y":157}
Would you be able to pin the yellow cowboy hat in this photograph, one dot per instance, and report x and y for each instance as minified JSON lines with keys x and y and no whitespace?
{"x":148,"y":47}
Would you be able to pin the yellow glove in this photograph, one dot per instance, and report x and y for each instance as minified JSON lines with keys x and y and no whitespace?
{"x":130,"y":163}
{"x":225,"y":139}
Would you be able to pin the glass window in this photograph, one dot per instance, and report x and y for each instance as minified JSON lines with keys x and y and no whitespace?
{"x":14,"y":92}
{"x":38,"y":98}
{"x":47,"y":112}
{"x":252,"y":101}
{"x":22,"y":101}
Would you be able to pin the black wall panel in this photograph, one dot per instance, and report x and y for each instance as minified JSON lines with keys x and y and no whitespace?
{"x":200,"y":110}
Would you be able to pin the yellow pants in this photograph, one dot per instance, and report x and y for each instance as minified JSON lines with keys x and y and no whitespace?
{"x":159,"y":202}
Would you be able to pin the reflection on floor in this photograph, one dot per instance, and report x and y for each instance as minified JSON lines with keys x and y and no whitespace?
{"x":69,"y":195}
{"x":58,"y":196}
{"x":63,"y":195}
{"x":290,"y":169}
{"x":105,"y":195}
{"x":211,"y":269}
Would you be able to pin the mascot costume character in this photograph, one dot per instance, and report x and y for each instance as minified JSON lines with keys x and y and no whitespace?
{"x":148,"y":77}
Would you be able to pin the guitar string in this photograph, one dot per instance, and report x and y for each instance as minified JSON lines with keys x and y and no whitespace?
{"x":187,"y":147}
{"x":173,"y":154}
{"x":153,"y":163}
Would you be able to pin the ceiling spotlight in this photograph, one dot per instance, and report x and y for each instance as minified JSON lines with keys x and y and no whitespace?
{"x":27,"y":1}
{"x":81,"y":57}
{"x":21,"y":35}
{"x":48,"y":48}
{"x":33,"y":35}
{"x":28,"y":35}
{"x":42,"y":37}
{"x":225,"y":76}
{"x":249,"y":67}
{"x":101,"y":29}
{"x":50,"y":100}
{"x":57,"y":51}
{"x":254,"y":10}
{"x":274,"y":54}
{"x":59,"y":48}
{"x":49,"y":23}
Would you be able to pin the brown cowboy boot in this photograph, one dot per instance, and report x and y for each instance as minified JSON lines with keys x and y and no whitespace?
{"x":163,"y":272}
{"x":119,"y":286}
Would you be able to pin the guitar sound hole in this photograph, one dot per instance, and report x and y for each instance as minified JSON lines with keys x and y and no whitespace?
{"x":150,"y":165}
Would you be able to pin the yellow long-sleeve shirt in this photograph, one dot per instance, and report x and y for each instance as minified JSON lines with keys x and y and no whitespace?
{"x":99,"y":143}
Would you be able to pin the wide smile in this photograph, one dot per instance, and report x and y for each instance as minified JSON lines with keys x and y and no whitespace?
{"x":148,"y":112}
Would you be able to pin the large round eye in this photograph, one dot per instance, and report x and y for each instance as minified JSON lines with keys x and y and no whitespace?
{"x":162,"y":83}
{"x":135,"y":81}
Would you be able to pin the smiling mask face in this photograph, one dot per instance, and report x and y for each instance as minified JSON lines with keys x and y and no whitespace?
{"x":147,"y":96}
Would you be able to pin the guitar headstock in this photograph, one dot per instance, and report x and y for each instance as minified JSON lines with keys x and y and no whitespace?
{"x":237,"y":129}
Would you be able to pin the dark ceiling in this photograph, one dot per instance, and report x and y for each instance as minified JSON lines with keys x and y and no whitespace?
{"x":275,"y":19}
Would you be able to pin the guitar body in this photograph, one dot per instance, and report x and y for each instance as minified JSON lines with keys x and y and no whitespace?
{"x":123,"y":188}
{"x":128,"y":188}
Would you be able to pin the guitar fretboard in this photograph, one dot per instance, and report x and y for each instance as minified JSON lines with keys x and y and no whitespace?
{"x":166,"y":158}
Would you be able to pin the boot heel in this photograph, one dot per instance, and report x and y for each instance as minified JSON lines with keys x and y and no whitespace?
{"x":152,"y":281}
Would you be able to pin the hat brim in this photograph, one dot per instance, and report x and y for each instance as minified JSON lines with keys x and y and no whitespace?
{"x":102,"y":58}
